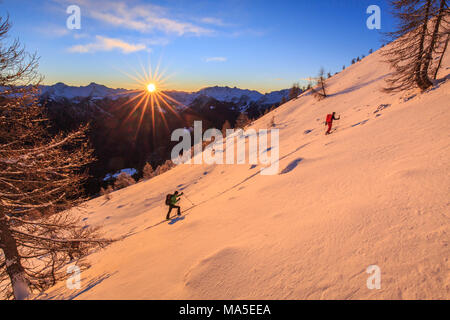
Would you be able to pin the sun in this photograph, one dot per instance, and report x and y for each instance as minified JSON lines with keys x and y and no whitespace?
{"x":151,"y":87}
{"x":152,"y":98}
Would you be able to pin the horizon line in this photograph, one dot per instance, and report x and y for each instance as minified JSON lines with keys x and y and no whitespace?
{"x":178,"y":90}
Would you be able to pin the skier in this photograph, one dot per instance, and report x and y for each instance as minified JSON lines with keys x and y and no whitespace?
{"x":329,"y":121}
{"x":171,"y":201}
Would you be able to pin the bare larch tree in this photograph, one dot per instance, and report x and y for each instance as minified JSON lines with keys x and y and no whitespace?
{"x":418,"y":36}
{"x":435,"y":41}
{"x":294,"y":91}
{"x":41,"y":177}
{"x":321,"y":91}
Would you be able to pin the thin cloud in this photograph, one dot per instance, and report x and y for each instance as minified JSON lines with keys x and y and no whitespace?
{"x":143,"y":18}
{"x":248,"y":32}
{"x":53,"y":31}
{"x":214,"y":21}
{"x":80,"y":35}
{"x":216,"y":59}
{"x":107,"y":44}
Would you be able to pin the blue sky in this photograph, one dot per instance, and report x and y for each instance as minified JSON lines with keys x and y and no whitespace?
{"x":252,"y":44}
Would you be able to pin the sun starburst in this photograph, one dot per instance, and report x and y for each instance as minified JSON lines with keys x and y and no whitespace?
{"x":151,"y":97}
{"x":151,"y":87}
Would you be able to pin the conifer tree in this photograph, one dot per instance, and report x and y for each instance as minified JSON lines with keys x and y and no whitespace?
{"x":417,"y":36}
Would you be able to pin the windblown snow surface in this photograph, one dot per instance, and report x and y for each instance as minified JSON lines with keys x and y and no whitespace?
{"x":375,"y":192}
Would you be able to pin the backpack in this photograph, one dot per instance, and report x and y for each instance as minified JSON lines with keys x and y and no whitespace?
{"x":168,"y":197}
{"x":329,"y":118}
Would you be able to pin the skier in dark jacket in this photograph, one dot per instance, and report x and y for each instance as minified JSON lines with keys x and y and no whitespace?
{"x":174,"y":198}
{"x":329,"y":121}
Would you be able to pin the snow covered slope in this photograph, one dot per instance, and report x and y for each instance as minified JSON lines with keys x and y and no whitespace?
{"x":375,"y":192}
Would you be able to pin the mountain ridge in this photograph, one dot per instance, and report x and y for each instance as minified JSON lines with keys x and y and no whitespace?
{"x":96,"y":91}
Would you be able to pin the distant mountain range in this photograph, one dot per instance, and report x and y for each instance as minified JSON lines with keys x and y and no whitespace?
{"x":241,"y":97}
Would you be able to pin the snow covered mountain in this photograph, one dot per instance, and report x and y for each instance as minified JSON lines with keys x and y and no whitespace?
{"x":374,"y":192}
{"x":93,"y":91}
{"x":230,"y":94}
{"x":226,"y":94}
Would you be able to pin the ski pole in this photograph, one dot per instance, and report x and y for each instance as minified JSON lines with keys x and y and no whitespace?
{"x":189,"y":200}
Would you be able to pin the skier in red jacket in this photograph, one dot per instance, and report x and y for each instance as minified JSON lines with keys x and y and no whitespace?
{"x":329,"y":121}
